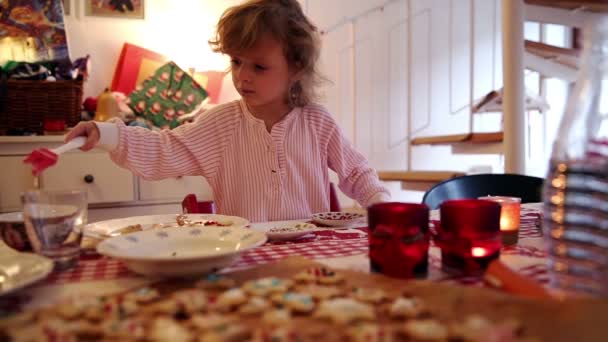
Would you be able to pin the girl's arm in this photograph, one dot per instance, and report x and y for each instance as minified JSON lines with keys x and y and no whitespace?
{"x":357,"y":179}
{"x":190,"y":149}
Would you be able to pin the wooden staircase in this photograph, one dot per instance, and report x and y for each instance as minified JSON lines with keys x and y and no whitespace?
{"x":418,"y":180}
{"x":548,"y":60}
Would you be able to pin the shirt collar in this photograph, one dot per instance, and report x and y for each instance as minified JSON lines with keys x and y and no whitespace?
{"x":286,"y":120}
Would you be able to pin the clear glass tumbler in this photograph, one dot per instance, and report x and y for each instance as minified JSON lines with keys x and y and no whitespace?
{"x":54,"y":222}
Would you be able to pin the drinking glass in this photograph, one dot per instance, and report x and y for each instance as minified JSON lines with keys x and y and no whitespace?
{"x":54,"y":222}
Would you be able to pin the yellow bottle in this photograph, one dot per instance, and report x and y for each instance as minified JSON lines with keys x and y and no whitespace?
{"x":107,"y":107}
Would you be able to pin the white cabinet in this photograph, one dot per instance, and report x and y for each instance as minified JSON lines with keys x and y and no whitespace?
{"x":93,"y":171}
{"x":15,"y":177}
{"x":112,"y":191}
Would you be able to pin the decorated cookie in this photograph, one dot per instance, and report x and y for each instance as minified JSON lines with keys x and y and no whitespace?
{"x":426,"y":330}
{"x":230,"y":299}
{"x":162,"y":307}
{"x":167,"y":329}
{"x":215,"y":282}
{"x":368,"y":332}
{"x":319,"y":292}
{"x":267,"y":286}
{"x":230,"y":332}
{"x":345,"y":310}
{"x":191,"y":300}
{"x":479,"y":328}
{"x":121,"y":329}
{"x":210,"y":321}
{"x":368,"y":295}
{"x":279,"y":334}
{"x":321,"y":275}
{"x":255,"y":305}
{"x":143,"y":295}
{"x":294,"y":301}
{"x":277,"y":318}
{"x":406,"y":307}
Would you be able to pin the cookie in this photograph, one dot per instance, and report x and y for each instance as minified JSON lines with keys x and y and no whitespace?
{"x":163,"y":307}
{"x":191,"y":300}
{"x":254,"y":306}
{"x":425,"y":330}
{"x":479,"y":328}
{"x":228,"y":333}
{"x":320,"y":275}
{"x":406,"y":307}
{"x":230,"y":299}
{"x":122,"y":329}
{"x":277,"y":318}
{"x":345,"y":310}
{"x":77,"y":307}
{"x":210,"y":321}
{"x":143,"y":295}
{"x":294,"y":301}
{"x":279,"y":334}
{"x":267,"y":286}
{"x":319,"y":292}
{"x":368,"y":332}
{"x":368,"y":295}
{"x":215,"y":282}
{"x":167,"y":329}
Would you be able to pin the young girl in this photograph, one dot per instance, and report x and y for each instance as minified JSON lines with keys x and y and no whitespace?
{"x":266,"y":156}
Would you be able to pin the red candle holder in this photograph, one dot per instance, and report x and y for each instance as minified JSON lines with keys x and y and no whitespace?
{"x":398,"y":239}
{"x":468,"y":235}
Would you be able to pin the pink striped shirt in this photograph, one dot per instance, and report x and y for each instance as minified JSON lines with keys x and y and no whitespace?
{"x":255,"y":174}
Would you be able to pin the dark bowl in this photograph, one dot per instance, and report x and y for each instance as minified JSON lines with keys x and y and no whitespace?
{"x":12,"y":230}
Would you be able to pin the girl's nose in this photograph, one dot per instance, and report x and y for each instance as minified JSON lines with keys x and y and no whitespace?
{"x":243,"y":74}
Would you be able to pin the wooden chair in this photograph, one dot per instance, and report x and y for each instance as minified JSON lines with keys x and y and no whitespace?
{"x":334,"y":203}
{"x":191,"y":206}
{"x":528,"y":188}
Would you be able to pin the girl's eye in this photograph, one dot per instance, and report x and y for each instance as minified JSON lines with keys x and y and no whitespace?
{"x":259,"y":67}
{"x":235,"y":62}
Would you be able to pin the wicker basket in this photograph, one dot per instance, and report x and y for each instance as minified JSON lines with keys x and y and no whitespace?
{"x":28,"y":103}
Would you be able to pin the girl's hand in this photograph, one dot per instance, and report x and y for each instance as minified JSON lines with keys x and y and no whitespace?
{"x":87,"y":129}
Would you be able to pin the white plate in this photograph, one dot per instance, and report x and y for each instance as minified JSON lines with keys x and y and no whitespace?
{"x":338,"y":218}
{"x":18,"y":270}
{"x":109,"y":228}
{"x":187,"y":251}
{"x":284,"y":230}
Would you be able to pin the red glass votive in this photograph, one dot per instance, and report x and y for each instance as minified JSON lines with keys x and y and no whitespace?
{"x":398,"y":239}
{"x":469,"y":235}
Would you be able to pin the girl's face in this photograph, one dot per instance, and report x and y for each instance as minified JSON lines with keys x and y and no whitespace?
{"x":261,"y":74}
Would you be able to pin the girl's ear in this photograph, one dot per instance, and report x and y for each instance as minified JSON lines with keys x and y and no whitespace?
{"x":295,"y":74}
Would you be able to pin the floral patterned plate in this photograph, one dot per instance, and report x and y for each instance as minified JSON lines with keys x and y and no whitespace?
{"x":338,"y":218}
{"x":18,"y":270}
{"x":188,"y":251}
{"x":284,"y":230}
{"x":122,"y":226}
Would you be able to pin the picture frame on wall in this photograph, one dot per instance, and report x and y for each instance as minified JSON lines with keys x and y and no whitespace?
{"x":66,"y":7}
{"x":132,"y":9}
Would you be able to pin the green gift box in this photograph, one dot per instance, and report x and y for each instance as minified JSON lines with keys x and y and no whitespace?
{"x":166,"y":96}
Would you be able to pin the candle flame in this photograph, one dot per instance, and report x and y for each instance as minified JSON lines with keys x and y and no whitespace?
{"x":478,"y":252}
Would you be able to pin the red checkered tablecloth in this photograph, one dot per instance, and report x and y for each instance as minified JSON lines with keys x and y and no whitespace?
{"x":322,"y":244}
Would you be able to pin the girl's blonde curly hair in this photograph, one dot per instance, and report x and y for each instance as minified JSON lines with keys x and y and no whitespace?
{"x":241,"y":26}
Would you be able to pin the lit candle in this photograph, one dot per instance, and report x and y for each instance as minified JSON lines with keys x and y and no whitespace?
{"x":509,"y":217}
{"x":468,"y":235}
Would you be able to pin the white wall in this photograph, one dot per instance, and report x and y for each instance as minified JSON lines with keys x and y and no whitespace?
{"x":177,"y":29}
{"x":410,"y":68}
